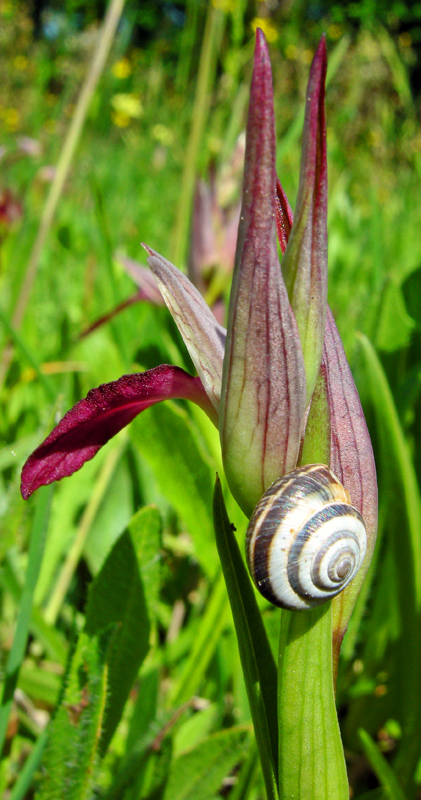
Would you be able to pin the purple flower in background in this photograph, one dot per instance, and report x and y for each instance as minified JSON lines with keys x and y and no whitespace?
{"x":255,"y":380}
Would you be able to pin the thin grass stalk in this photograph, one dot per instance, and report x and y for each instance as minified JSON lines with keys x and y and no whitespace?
{"x":73,"y":557}
{"x":109,"y":27}
{"x":211,"y":39}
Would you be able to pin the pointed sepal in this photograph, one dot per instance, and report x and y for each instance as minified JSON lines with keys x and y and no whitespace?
{"x":263,"y":387}
{"x":352,"y":461}
{"x":100,"y":416}
{"x":202,"y":334}
{"x":304,"y":264}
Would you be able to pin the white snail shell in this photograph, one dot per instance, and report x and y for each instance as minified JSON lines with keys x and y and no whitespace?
{"x":305,"y":541}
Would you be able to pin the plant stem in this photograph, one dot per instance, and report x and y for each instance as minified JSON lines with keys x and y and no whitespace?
{"x":311,"y":758}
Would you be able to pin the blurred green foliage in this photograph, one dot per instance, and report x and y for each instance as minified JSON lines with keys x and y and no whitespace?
{"x":188,"y":707}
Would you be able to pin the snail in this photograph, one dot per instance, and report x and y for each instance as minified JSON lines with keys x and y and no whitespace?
{"x":305,"y":541}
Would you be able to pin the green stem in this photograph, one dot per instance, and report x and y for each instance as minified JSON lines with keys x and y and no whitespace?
{"x":311,"y":758}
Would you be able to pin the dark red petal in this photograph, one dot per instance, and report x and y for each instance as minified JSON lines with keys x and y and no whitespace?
{"x":284,"y":216}
{"x":103,"y":413}
{"x":352,"y":459}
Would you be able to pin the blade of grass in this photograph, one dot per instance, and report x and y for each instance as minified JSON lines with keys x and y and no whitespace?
{"x":211,"y":39}
{"x":30,"y":358}
{"x":24,"y":781}
{"x":106,"y":37}
{"x":403,"y":465}
{"x":213,"y":621}
{"x":380,"y":767}
{"x":36,"y":550}
{"x":403,"y":503}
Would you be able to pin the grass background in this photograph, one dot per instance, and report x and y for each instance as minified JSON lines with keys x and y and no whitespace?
{"x":169,"y":107}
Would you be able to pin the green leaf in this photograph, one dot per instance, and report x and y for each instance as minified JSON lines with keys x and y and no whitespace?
{"x":145,"y":529}
{"x":398,"y":455}
{"x":256,"y":657}
{"x":168,"y":441}
{"x":199,"y":773}
{"x":36,"y":550}
{"x":380,"y":767}
{"x":117,"y":596}
{"x":69,"y":766}
{"x":309,"y":738}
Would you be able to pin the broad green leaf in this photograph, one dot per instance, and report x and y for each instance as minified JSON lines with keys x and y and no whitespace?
{"x":23,"y":783}
{"x":381,"y":767}
{"x":309,"y":738}
{"x":199,"y":773}
{"x":169,"y":442}
{"x":255,"y":653}
{"x":117,"y":596}
{"x":69,"y":764}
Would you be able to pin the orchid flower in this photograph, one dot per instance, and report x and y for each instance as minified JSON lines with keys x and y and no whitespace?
{"x":255,"y":380}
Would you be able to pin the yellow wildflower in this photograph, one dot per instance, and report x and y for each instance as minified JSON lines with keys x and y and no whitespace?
{"x":128,"y":104}
{"x":121,"y":69}
{"x":267,"y":26}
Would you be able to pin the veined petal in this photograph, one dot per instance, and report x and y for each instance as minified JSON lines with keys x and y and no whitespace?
{"x":263,"y":394}
{"x":304,"y":264}
{"x":103,"y":413}
{"x":202,"y":334}
{"x":352,"y":461}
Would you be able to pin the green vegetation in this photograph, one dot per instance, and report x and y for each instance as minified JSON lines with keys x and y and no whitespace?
{"x":116,"y":632}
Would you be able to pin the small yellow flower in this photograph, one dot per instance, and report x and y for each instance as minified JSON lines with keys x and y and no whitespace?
{"x":127,"y":104}
{"x":267,"y":27}
{"x":20,"y":63}
{"x":224,"y":5}
{"x":122,"y":69}
{"x":120,"y":119}
{"x":11,"y":119}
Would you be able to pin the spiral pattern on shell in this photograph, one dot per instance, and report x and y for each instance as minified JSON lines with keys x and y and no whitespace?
{"x":305,"y":541}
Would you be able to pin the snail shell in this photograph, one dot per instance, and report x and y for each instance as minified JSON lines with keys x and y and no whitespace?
{"x":305,"y":541}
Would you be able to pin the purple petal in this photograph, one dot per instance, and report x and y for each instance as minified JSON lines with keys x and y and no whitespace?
{"x":102,"y":414}
{"x":352,"y":460}
{"x":263,"y":399}
{"x":284,"y":216}
{"x":305,"y":261}
{"x":202,"y":334}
